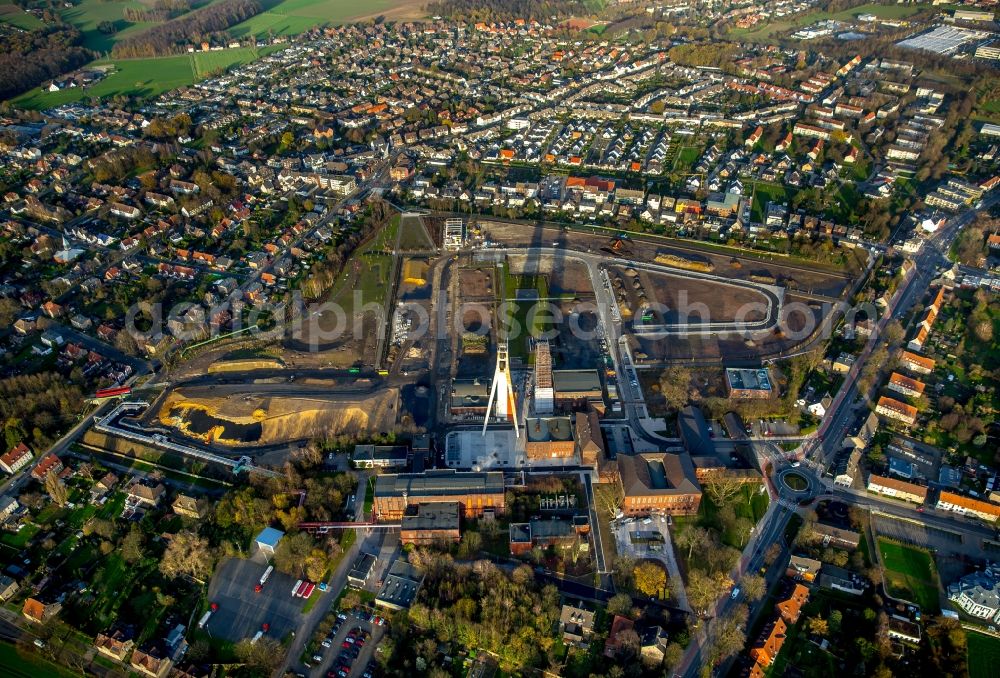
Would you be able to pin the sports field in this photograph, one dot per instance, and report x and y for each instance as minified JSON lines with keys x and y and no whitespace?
{"x":145,"y":77}
{"x":984,"y":655}
{"x":910,"y":574}
{"x":14,"y":15}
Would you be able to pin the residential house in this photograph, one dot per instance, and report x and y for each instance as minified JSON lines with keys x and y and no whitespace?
{"x":153,"y":663}
{"x":118,"y":645}
{"x":8,"y":588}
{"x":790,"y":608}
{"x":16,"y":459}
{"x":146,"y":493}
{"x":897,"y":410}
{"x":38,"y":612}
{"x":576,"y":625}
{"x":769,"y":643}
{"x":613,"y":644}
{"x":892,"y":487}
{"x":801,"y":567}
{"x":189,"y":507}
{"x":978,"y":594}
{"x":967,"y":506}
{"x":49,"y":462}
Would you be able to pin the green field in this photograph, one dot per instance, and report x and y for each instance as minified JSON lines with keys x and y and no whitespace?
{"x":88,"y":14}
{"x":764,"y":193}
{"x":984,"y":655}
{"x":14,"y":15}
{"x":771,"y":30}
{"x":413,"y":235}
{"x":290,"y":17}
{"x":910,"y":574}
{"x":23,"y":664}
{"x":144,"y":77}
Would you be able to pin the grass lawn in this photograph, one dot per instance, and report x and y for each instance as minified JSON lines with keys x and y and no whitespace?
{"x":764,"y":193}
{"x":413,"y":235}
{"x":145,"y":77}
{"x":21,"y":664}
{"x":207,"y":62}
{"x":20,"y":538}
{"x":370,"y":495}
{"x":910,"y":574}
{"x":984,"y":655}
{"x":14,"y":15}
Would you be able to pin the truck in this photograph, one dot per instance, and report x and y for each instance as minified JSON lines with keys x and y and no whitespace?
{"x":267,"y":573}
{"x":208,"y":615}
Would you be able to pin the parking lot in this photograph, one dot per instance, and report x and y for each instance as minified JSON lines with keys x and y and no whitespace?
{"x":332,"y":659}
{"x":241,"y":611}
{"x":650,"y":539}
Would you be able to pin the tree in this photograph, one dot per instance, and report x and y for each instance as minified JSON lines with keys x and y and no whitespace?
{"x":691,"y":537}
{"x":292,"y":552}
{"x":704,"y":589}
{"x":835,"y":620}
{"x":753,"y":586}
{"x":674,"y":384}
{"x":650,"y":578}
{"x":188,"y":554}
{"x":264,"y":655}
{"x":818,"y":626}
{"x":56,"y":489}
{"x":610,"y":497}
{"x":727,"y":638}
{"x":722,"y":487}
{"x":771,"y":554}
{"x":620,"y":604}
{"x":132,"y":544}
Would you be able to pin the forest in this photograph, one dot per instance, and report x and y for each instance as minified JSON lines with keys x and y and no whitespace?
{"x":167,"y":38}
{"x":30,"y":58}
{"x":162,"y":10}
{"x":35,"y":408}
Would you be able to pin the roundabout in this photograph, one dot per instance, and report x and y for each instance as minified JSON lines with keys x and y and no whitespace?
{"x":795,"y":484}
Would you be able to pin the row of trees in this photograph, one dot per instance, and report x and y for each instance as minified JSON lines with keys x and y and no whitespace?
{"x":504,"y":10}
{"x":28,"y":59}
{"x":196,"y":26}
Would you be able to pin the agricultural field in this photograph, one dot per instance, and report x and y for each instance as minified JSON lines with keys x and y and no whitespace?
{"x":88,"y":15}
{"x":290,"y":17}
{"x":910,"y":574}
{"x":984,"y":655}
{"x":145,"y":77}
{"x":14,"y":15}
